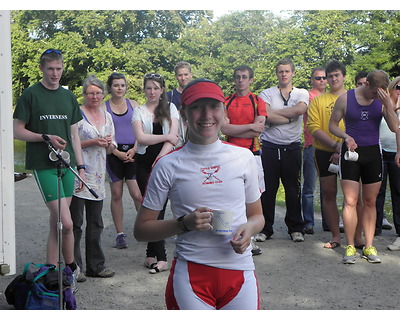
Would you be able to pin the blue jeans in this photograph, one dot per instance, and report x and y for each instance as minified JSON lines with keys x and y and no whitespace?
{"x":309,"y":179}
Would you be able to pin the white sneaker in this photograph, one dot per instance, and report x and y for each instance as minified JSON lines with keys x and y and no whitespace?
{"x":260,"y":237}
{"x":395,"y":246}
{"x":386,"y":225}
{"x":75,"y":276}
{"x":297,"y":236}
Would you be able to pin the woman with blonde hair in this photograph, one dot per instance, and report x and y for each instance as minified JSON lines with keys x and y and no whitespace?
{"x":96,"y":132}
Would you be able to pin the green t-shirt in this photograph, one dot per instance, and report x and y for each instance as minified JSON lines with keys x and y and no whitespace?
{"x":51,"y":112}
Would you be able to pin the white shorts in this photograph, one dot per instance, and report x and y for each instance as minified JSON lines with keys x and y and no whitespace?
{"x":193,"y":286}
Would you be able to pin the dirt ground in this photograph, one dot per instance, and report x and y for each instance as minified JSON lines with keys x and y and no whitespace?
{"x":292,"y":276}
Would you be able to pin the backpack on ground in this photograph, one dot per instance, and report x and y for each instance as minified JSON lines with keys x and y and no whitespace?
{"x":39,"y":290}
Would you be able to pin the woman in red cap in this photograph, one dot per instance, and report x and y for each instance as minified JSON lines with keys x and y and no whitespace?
{"x":209,"y":271}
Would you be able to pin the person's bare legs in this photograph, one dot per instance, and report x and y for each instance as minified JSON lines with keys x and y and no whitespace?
{"x":135,"y":193}
{"x":369,"y":193}
{"x":67,"y":232}
{"x":117,"y":209}
{"x":351,"y":192}
{"x":329,"y":192}
{"x":358,"y":238}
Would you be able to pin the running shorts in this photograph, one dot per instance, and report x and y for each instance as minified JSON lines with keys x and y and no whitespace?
{"x":368,"y":167}
{"x":118,"y":170}
{"x":193,"y":286}
{"x":322,"y":163}
{"x":47,"y":181}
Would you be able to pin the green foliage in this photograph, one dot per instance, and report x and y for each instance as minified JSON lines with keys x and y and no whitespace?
{"x":136,"y":42}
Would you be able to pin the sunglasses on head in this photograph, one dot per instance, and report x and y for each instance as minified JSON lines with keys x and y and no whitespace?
{"x":397,"y":87}
{"x":153,"y":76}
{"x":320,"y":78}
{"x":52,"y":51}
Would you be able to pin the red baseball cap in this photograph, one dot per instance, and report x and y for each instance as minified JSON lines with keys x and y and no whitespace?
{"x":201,"y":88}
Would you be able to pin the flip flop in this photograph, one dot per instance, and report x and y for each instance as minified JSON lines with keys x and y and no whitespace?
{"x":333,"y":245}
{"x":155,"y":269}
{"x":148,"y":264}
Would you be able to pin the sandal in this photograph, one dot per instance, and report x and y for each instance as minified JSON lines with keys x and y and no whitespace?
{"x":155,"y":268}
{"x":149,"y":262}
{"x":332,"y":245}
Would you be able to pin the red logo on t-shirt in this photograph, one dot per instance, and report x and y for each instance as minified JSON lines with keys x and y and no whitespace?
{"x":210,"y":173}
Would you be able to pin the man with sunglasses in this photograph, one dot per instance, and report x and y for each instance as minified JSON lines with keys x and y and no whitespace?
{"x":47,"y":111}
{"x":318,"y":81}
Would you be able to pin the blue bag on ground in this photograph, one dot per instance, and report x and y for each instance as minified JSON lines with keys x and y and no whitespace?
{"x":39,"y":290}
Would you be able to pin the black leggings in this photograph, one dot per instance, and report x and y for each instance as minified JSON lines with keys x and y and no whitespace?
{"x":143,"y":169}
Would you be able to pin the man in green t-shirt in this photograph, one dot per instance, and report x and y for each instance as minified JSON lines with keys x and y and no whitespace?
{"x":46,"y":108}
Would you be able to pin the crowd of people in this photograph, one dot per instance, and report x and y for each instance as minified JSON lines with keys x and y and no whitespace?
{"x":213,"y":156}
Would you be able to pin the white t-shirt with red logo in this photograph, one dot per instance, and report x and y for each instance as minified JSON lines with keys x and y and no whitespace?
{"x":217,"y":176}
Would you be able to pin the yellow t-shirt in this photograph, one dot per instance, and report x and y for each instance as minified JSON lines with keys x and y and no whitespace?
{"x":319,"y":113}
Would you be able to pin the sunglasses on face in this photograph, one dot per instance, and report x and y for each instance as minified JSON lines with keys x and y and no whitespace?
{"x":320,"y":78}
{"x":152,"y":76}
{"x":397,"y":87}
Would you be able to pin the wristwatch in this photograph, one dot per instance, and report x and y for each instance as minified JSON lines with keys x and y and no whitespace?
{"x":81,"y":166}
{"x":181,"y":224}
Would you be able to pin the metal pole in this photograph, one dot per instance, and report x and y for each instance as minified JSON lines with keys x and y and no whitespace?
{"x":59,"y":228}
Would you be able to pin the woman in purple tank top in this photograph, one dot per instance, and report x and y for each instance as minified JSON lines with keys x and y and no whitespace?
{"x":121,"y":164}
{"x":362,"y":109}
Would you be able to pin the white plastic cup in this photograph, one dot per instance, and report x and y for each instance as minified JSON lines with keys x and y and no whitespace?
{"x":351,"y":156}
{"x":221,"y":222}
{"x":334,"y":168}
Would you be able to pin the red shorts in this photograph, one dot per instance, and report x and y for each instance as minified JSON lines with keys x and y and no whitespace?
{"x":193,"y":286}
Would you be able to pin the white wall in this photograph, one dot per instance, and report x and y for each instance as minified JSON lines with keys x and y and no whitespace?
{"x":7,"y":210}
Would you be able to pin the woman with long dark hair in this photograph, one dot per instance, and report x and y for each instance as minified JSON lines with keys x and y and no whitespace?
{"x":155,"y":125}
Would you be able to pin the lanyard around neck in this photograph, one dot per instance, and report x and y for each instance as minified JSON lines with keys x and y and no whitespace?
{"x":285,"y":101}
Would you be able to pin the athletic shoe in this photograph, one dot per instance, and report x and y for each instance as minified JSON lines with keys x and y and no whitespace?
{"x":386,"y":225}
{"x":105,"y":273}
{"x":260,"y":237}
{"x":309,"y":230}
{"x":297,"y":236}
{"x":350,"y":255}
{"x":255,"y":249}
{"x":81,"y":277}
{"x":120,"y":242}
{"x":395,"y":246}
{"x":75,"y":276}
{"x":371,"y":255}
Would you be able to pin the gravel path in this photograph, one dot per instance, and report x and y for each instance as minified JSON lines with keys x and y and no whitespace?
{"x":292,"y":276}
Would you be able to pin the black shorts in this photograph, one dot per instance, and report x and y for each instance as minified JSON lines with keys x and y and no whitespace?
{"x":368,"y":167}
{"x":118,"y":170}
{"x":322,"y":163}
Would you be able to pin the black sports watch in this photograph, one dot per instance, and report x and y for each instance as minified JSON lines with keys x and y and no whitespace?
{"x":181,"y":224}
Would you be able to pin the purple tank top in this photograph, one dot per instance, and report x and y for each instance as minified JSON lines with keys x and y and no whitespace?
{"x":123,"y":124}
{"x":362,"y":122}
